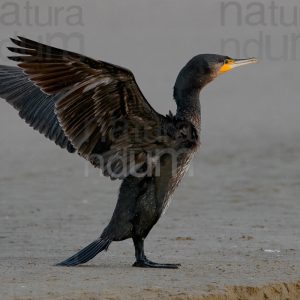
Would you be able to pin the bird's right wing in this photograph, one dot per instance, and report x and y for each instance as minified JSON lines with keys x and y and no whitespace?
{"x":101,"y":109}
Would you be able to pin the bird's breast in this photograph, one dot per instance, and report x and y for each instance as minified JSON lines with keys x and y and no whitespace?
{"x":172,"y":173}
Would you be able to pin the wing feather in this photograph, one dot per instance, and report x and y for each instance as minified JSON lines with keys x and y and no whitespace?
{"x":100,"y":108}
{"x":35,"y":107}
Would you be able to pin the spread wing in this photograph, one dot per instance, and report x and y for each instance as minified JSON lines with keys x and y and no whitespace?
{"x":34,"y":106}
{"x":100,"y":108}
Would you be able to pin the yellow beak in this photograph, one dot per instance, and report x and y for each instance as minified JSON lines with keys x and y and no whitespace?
{"x":230,"y":64}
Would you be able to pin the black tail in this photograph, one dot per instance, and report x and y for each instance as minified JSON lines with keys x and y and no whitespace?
{"x":86,"y":253}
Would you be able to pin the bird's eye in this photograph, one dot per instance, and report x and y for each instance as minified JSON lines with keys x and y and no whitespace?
{"x":226,"y":61}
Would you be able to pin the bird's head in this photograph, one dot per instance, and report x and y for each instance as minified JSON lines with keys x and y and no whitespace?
{"x":204,"y":68}
{"x":212,"y":65}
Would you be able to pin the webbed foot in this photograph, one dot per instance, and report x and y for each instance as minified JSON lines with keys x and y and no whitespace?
{"x":146,"y":263}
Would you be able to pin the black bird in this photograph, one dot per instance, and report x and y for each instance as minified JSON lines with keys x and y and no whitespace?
{"x":96,"y":109}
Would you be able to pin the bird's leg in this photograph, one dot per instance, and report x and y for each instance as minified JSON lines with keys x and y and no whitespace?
{"x":143,"y":262}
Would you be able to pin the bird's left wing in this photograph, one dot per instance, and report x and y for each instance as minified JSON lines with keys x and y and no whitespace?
{"x":101,"y":109}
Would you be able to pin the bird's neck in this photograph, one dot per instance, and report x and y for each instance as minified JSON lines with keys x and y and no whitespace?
{"x":188,"y":105}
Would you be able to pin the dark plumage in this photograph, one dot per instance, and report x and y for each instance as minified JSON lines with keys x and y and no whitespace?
{"x":96,"y":109}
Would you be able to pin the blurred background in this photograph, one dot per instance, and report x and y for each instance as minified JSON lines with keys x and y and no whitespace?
{"x":253,"y":109}
{"x":257,"y":105}
{"x":249,"y":162}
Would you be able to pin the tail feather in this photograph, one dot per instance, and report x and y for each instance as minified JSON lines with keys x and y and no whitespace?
{"x":86,"y":253}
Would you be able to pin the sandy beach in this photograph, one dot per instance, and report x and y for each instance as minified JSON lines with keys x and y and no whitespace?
{"x":233,"y":226}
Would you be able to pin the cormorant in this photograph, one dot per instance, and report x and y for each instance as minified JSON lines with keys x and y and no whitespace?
{"x":96,"y":109}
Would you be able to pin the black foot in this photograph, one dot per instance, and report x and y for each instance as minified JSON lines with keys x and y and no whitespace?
{"x":146,"y":263}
